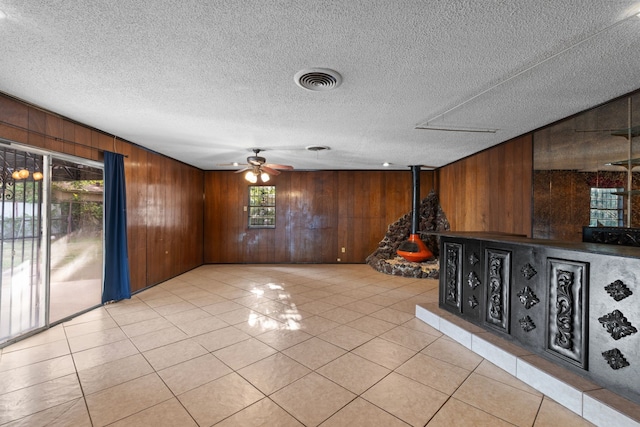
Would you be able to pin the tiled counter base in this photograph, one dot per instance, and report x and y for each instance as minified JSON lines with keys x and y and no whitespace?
{"x":595,"y":404}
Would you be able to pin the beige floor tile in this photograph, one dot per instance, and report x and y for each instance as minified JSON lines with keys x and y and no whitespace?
{"x":259,"y":324}
{"x":346,"y":337}
{"x":45,"y":337}
{"x":172,"y":354}
{"x":208,"y":300}
{"x":315,"y":325}
{"x":217,"y":400}
{"x":315,"y":307}
{"x":491,"y":396}
{"x":220,"y":338}
{"x":318,"y":294}
{"x":72,"y":413}
{"x":193,"y":373}
{"x":125,"y":399}
{"x":36,"y":373}
{"x":187,"y":316}
{"x":244,"y":353}
{"x":452,"y":352}
{"x":341,"y":315}
{"x":202,"y":326}
{"x":95,"y":314}
{"x":434,"y":373}
{"x":408,"y":400}
{"x":138,"y":316}
{"x":409,"y":338}
{"x":384,"y":353}
{"x":96,"y":339}
{"x":363,"y":307}
{"x":419,"y":325}
{"x":353,"y":372}
{"x":264,"y":413}
{"x":174,"y":308}
{"x":105,"y":353}
{"x":30,"y":400}
{"x":392,"y":316}
{"x":552,"y":414}
{"x":488,"y":369}
{"x":360,"y":413}
{"x":338,"y":300}
{"x":221,"y":307}
{"x":314,"y":353}
{"x":169,"y":413}
{"x":113,"y":373}
{"x":281,"y":339}
{"x":77,"y":329}
{"x":273,"y":373}
{"x":371,"y":325}
{"x":459,"y":414}
{"x":157,"y":296}
{"x":234,"y":317}
{"x":312,"y":399}
{"x":158,"y":338}
{"x":29,"y":355}
{"x":145,"y":327}
{"x":302,"y":302}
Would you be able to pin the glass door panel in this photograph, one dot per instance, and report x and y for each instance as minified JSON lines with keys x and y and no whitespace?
{"x":22,"y":285}
{"x":76,"y":270}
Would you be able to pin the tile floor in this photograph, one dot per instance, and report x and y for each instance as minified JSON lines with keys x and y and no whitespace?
{"x":264,"y":345}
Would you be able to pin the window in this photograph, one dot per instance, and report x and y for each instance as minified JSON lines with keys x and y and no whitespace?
{"x":606,"y":208}
{"x":262,"y":206}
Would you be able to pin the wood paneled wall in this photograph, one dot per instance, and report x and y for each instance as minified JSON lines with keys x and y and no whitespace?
{"x":491,"y":190}
{"x":164,"y":196}
{"x":317,"y":214}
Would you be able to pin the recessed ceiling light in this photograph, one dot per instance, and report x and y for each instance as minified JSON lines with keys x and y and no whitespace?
{"x":386,"y":164}
{"x":318,"y":79}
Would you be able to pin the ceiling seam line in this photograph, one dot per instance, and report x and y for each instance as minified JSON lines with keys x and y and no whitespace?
{"x":519,"y":73}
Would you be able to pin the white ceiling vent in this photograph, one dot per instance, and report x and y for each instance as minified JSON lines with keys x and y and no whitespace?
{"x":318,"y":79}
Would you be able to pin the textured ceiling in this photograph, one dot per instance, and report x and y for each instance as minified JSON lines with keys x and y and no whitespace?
{"x":206,"y":81}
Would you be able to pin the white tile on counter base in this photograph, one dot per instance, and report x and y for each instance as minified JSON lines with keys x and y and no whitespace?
{"x":597,"y":405}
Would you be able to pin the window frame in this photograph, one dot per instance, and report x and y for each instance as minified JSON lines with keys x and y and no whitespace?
{"x":261,"y":212}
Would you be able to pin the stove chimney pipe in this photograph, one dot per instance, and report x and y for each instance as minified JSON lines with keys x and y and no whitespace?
{"x":414,"y":249}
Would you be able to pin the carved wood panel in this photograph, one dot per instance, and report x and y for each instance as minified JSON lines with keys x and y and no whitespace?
{"x":567,"y":323}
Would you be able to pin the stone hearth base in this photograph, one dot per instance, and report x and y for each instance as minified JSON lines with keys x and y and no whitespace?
{"x":385,"y":259}
{"x":399,"y":266}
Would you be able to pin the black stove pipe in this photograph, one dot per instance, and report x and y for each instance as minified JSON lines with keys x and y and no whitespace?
{"x":415,"y":213}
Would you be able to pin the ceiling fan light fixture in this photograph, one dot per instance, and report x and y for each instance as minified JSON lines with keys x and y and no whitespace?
{"x":251,"y":177}
{"x":265,"y":177}
{"x":318,"y":79}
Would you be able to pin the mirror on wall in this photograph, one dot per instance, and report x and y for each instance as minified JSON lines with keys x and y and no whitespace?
{"x":587,"y":171}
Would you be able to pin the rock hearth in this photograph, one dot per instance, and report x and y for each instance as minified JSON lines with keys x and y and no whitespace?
{"x":385,"y":259}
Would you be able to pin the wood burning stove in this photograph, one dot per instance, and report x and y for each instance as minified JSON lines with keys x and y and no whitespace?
{"x":414,"y":249}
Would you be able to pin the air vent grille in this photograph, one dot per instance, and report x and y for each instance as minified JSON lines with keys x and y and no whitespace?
{"x":318,"y":79}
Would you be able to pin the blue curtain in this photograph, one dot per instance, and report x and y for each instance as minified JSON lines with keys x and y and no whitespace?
{"x":116,"y":274}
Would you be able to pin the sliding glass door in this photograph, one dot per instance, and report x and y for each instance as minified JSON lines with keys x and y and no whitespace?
{"x":76,"y":238}
{"x":51,"y":251}
{"x":22,"y":285}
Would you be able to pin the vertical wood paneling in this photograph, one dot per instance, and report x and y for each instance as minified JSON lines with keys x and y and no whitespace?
{"x":177,"y":219}
{"x":491,"y":190}
{"x":318,"y":213}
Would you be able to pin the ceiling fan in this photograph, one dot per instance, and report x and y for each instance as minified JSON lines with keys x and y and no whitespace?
{"x":257,"y":166}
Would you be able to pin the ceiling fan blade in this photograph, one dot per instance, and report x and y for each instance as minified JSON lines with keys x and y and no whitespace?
{"x":242,"y":170}
{"x":269,"y":170}
{"x":276,"y":166}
